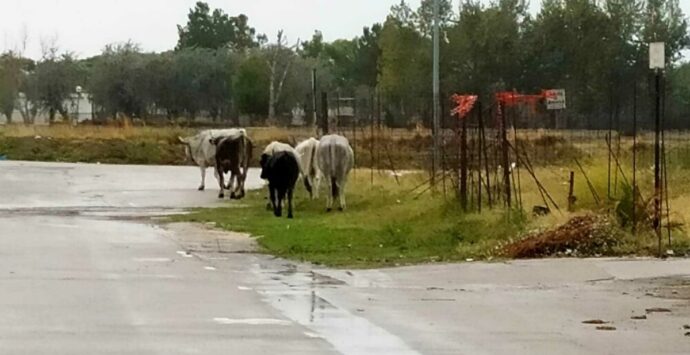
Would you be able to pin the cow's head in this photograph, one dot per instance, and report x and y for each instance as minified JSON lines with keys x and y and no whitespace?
{"x":216,"y":141}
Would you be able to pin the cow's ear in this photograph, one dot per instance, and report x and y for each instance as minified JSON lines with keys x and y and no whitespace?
{"x":216,"y":141}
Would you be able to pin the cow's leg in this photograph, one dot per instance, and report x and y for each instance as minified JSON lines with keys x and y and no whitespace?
{"x":272,"y":196}
{"x":221,"y":179}
{"x":316,"y":185}
{"x":241,"y":178}
{"x":278,"y":211}
{"x":329,"y":199}
{"x":203,"y":178}
{"x":231,"y":185}
{"x":341,"y":194}
{"x":289,"y":198}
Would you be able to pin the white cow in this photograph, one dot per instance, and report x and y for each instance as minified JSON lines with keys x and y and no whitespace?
{"x":202,"y":152}
{"x":308,"y":152}
{"x":335,"y":160}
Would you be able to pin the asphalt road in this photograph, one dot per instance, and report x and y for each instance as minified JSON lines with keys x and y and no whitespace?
{"x":86,"y":268}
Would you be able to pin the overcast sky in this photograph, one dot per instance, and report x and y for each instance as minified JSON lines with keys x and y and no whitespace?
{"x":86,"y":26}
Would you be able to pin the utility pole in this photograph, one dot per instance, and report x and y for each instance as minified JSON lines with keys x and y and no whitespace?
{"x":437,"y":101}
{"x":657,"y":62}
{"x":313,"y":96}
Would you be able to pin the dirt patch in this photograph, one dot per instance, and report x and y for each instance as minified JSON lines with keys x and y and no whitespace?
{"x":581,"y":236}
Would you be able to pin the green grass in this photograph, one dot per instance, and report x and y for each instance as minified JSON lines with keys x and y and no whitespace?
{"x":384,"y":225}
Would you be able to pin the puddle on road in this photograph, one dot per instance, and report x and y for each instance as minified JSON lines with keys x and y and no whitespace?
{"x":297,"y":296}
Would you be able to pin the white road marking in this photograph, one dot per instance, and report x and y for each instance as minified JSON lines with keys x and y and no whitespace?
{"x":242,"y":288}
{"x":251,"y":321}
{"x":209,"y":268}
{"x":184,"y":254}
{"x":313,"y":335}
{"x":152,"y":260}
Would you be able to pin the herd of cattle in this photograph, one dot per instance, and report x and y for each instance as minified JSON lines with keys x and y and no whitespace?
{"x":230,"y":151}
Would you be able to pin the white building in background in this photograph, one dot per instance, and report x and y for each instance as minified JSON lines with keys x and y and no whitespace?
{"x":78,"y":106}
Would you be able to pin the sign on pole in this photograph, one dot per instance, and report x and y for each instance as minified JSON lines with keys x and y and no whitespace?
{"x":657,"y":55}
{"x":555,"y":99}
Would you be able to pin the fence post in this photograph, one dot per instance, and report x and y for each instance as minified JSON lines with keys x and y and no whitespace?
{"x":463,"y":163}
{"x":504,"y":155}
{"x":571,"y":196}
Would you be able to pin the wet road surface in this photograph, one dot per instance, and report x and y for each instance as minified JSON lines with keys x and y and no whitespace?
{"x":84,"y":269}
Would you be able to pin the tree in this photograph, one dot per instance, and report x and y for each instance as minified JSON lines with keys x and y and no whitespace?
{"x":424,"y":17}
{"x":215,"y":30}
{"x":665,"y":22}
{"x":405,"y":63}
{"x":367,"y":56}
{"x":10,"y":83}
{"x":120,"y":80}
{"x":313,"y":48}
{"x":251,"y":86}
{"x":279,"y":59}
{"x":56,"y":78}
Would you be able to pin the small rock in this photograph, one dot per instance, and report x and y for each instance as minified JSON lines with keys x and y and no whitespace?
{"x":658,"y":310}
{"x":606,"y":327}
{"x":595,"y":321}
{"x":349,"y":273}
{"x":469,"y":260}
{"x":642,"y":317}
{"x":670,"y":252}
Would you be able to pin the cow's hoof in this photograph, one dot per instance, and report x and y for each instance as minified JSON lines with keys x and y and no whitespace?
{"x":233,"y":196}
{"x":202,"y":188}
{"x":329,"y":210}
{"x":290,"y":216}
{"x":221,"y":196}
{"x":341,"y":209}
{"x":278,"y":214}
{"x":269,"y":207}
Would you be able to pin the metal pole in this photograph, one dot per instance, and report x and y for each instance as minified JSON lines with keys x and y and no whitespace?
{"x":634,"y":177}
{"x":313,"y":95}
{"x":372,"y":138}
{"x":436,"y":91}
{"x":463,"y":163}
{"x":657,"y":160}
{"x":504,"y":156}
{"x":324,"y":114}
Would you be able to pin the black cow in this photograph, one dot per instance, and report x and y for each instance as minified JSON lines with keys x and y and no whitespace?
{"x":282,"y":170}
{"x":233,"y":155}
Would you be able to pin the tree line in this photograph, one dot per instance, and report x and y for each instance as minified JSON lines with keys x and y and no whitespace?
{"x":223,"y":68}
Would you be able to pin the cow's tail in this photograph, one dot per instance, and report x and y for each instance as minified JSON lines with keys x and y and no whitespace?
{"x":333,"y":173}
{"x":248,"y":150}
{"x":312,"y":163}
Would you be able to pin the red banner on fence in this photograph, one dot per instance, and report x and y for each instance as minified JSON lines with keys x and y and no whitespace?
{"x":510,"y":98}
{"x":464,"y":104}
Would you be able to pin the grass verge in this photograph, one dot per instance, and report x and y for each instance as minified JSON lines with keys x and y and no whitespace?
{"x":385,"y":225}
{"x":389,"y":224}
